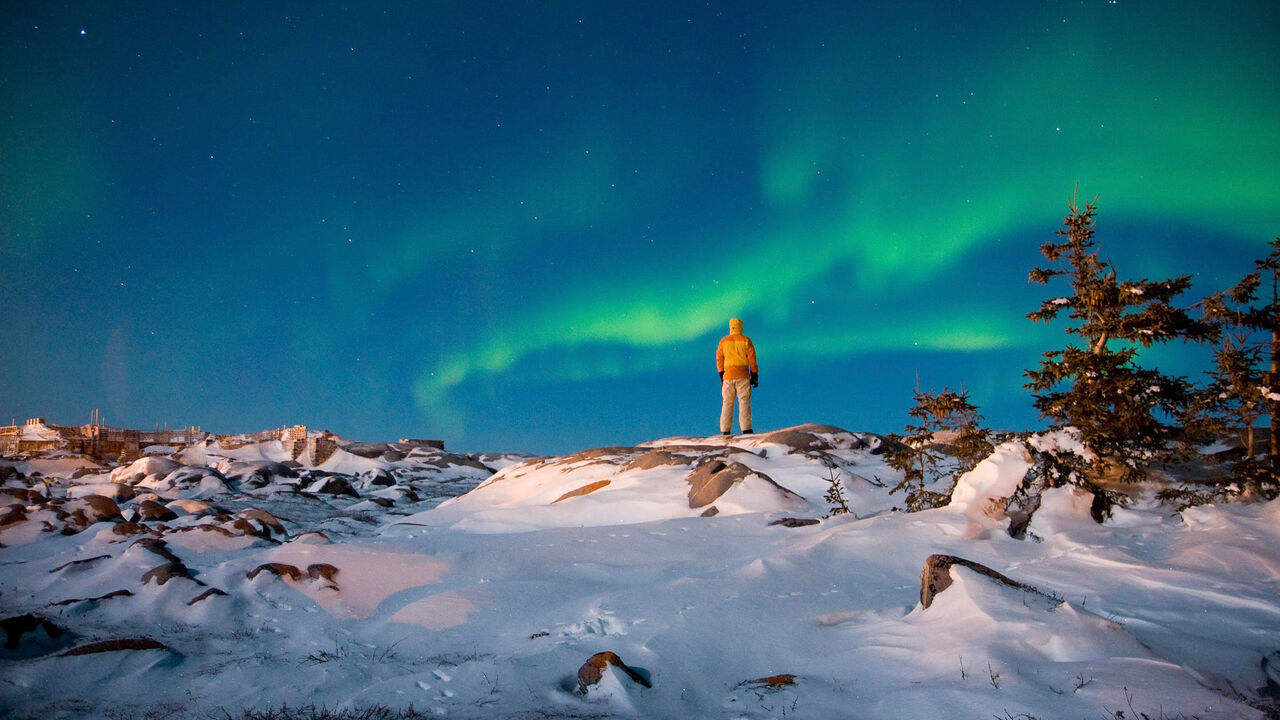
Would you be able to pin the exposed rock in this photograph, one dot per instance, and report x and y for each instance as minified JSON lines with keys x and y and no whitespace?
{"x":115,"y":491}
{"x":801,"y":439}
{"x":142,"y":467}
{"x":208,"y":527}
{"x":277,"y":569}
{"x":113,"y":594}
{"x":265,"y":518}
{"x":367,"y":450}
{"x":157,"y":546}
{"x":594,"y":456}
{"x":406,"y":493}
{"x":206,"y":594}
{"x":256,"y":473}
{"x":936,"y":576}
{"x":710,"y":512}
{"x":152,"y":510}
{"x":16,"y":627}
{"x":142,"y":643}
{"x":379,"y":477}
{"x":593,"y":670}
{"x":166,"y":572}
{"x":128,"y":528}
{"x":880,"y":444}
{"x":445,"y":460}
{"x":75,"y":563}
{"x":773,"y":681}
{"x":23,"y":495}
{"x":584,"y":490}
{"x":248,"y":527}
{"x":326,"y":571}
{"x":196,"y":475}
{"x":96,"y":507}
{"x":654,"y":459}
{"x":313,"y":537}
{"x":712,"y":479}
{"x":333,"y":485}
{"x":795,"y":522}
{"x":12,"y":515}
{"x":192,"y":506}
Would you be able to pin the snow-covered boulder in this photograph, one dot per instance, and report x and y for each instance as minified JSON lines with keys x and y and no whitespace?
{"x":142,"y":468}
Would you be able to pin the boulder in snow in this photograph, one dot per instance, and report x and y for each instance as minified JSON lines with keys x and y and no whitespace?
{"x":280,"y":570}
{"x":593,"y":671}
{"x":166,"y":572}
{"x":936,"y":576}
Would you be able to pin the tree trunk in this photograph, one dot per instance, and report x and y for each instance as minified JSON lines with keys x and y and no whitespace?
{"x":1272,"y":381}
{"x":1275,"y":406}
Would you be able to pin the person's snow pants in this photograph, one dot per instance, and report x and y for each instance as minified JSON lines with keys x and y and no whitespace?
{"x":740,"y":388}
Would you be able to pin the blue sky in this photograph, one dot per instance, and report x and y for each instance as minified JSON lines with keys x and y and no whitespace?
{"x":523,"y":226}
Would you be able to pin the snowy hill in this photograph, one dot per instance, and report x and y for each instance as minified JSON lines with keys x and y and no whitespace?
{"x":218,"y":581}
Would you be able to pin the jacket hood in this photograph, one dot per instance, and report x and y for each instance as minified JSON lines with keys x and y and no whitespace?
{"x":735,"y":326}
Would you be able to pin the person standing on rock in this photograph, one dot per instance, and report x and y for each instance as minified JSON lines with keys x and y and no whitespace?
{"x":736,"y":362}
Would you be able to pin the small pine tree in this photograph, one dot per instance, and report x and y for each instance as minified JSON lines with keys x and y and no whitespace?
{"x":835,"y":495}
{"x":919,"y":454}
{"x":1240,"y":392}
{"x":1099,"y":388}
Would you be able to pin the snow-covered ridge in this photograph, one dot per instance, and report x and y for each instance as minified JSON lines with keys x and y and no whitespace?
{"x":672,"y":478}
{"x":218,"y":579}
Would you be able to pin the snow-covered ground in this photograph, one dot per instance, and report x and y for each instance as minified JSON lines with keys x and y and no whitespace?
{"x":226,"y":580}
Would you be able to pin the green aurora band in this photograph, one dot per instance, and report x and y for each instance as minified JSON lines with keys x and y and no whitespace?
{"x":1177,"y":124}
{"x":479,"y":209}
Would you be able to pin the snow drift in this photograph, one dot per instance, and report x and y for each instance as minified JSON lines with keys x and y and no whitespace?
{"x":477,"y":586}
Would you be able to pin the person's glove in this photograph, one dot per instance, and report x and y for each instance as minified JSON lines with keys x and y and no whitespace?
{"x":755,"y":379}
{"x":721,"y":376}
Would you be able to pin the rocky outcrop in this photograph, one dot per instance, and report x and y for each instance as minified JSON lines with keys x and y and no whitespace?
{"x":712,"y":479}
{"x":655,"y":459}
{"x":584,"y":490}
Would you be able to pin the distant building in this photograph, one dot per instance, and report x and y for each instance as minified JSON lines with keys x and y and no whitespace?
{"x":98,"y":441}
{"x":107,"y":443}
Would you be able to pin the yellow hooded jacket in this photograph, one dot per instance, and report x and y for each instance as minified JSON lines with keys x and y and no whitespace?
{"x":736,"y":355}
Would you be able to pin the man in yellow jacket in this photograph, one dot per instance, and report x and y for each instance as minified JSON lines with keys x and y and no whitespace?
{"x":736,"y":362}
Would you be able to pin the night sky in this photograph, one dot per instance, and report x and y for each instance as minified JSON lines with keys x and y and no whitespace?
{"x":524,"y":226}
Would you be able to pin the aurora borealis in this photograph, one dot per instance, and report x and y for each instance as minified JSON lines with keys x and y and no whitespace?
{"x":523,"y":226}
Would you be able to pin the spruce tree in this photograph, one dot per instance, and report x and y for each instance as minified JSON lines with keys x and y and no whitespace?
{"x":1240,"y":391}
{"x":946,"y":420}
{"x":1096,"y":385}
